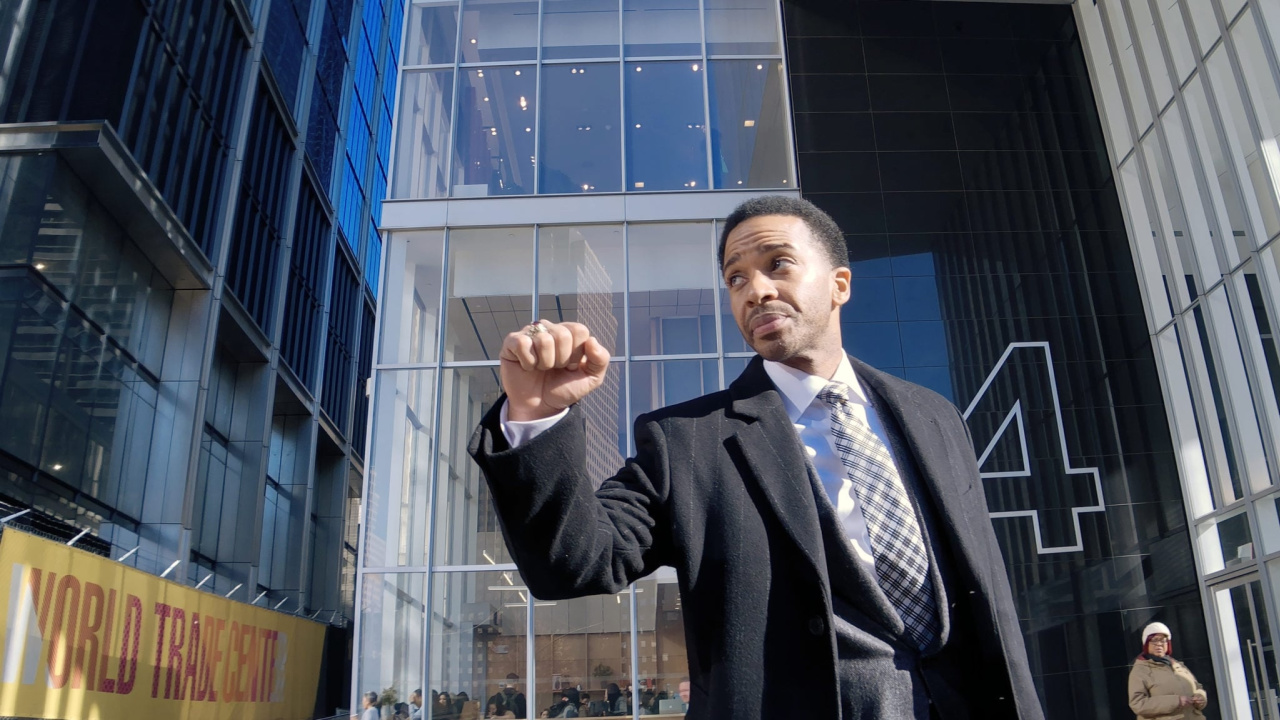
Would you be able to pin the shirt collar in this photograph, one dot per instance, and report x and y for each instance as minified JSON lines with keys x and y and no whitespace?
{"x":798,"y":388}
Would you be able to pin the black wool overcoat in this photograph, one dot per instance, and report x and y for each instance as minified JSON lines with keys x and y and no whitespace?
{"x":720,"y":490}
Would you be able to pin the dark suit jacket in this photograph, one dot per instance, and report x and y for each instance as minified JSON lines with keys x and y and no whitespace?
{"x":719,"y":489}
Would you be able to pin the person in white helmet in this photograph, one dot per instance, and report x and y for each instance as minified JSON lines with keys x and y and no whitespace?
{"x":1161,"y":688}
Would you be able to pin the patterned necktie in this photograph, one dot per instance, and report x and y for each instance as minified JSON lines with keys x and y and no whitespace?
{"x":902,"y":566}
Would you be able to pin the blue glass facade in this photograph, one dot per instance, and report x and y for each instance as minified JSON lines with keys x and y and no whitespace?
{"x":190,"y":194}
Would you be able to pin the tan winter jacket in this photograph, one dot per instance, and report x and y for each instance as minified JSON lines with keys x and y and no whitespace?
{"x":1154,"y":690}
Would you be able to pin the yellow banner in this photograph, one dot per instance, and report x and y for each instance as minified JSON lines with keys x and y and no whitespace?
{"x":87,"y":637}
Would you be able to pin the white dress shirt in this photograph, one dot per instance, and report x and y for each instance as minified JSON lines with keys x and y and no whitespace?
{"x":811,"y":419}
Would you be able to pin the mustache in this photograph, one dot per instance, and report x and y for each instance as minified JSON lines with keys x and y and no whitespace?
{"x":769,"y":310}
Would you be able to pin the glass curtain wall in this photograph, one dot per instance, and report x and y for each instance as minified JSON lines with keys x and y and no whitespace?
{"x":442,"y":605}
{"x":517,"y":97}
{"x":1190,"y":94}
{"x":545,"y":97}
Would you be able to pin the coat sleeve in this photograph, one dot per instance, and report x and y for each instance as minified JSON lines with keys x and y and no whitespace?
{"x":1142,"y":703}
{"x":568,"y":538}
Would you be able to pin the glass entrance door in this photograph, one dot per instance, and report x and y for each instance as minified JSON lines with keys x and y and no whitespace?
{"x":1248,"y":652}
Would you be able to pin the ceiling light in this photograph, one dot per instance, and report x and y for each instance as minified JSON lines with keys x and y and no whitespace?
{"x":517,"y":72}
{"x":739,"y":182}
{"x":637,"y":126}
{"x":573,"y":71}
{"x":524,"y":104}
{"x":40,"y":266}
{"x":759,"y":67}
{"x":695,"y":67}
{"x":638,"y":68}
{"x":693,"y":183}
{"x":473,"y":41}
{"x":528,"y":129}
{"x":584,"y":187}
{"x":486,"y":99}
{"x":582,"y":71}
{"x":57,"y":466}
{"x":784,"y":182}
{"x":748,"y":123}
{"x":481,"y":73}
{"x":639,"y":184}
{"x":494,"y":131}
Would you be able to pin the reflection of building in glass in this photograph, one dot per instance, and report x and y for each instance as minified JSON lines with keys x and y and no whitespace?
{"x":595,"y":310}
{"x":1011,"y":177}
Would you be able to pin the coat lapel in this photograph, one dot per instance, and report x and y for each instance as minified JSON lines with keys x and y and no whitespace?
{"x":940,"y":470}
{"x":775,"y":461}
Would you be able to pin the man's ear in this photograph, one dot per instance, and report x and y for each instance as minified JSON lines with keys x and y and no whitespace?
{"x":841,"y":285}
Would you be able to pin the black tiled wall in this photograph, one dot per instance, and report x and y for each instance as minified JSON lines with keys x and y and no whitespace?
{"x":958,"y":146}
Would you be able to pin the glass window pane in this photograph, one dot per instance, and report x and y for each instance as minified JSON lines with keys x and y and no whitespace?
{"x":422,"y":137}
{"x":1260,"y":201}
{"x":666,"y":126}
{"x":742,"y":27}
{"x":1185,"y":423}
{"x":400,"y":476}
{"x":1152,"y":55}
{"x":499,"y":30}
{"x":583,"y":646}
{"x":1145,"y":234}
{"x":433,"y":34}
{"x":749,"y":147}
{"x":1127,"y":56}
{"x":574,"y":29}
{"x":672,"y":276}
{"x":490,"y":290}
{"x":661,"y":28}
{"x":580,"y":142}
{"x":1175,"y":30}
{"x":1106,"y":87}
{"x":1269,"y":525}
{"x":730,"y":336}
{"x":1226,"y":542}
{"x":479,"y":632}
{"x":1261,"y":85}
{"x":658,"y":383}
{"x":1173,"y":172}
{"x":1219,"y":307}
{"x":464,"y":522}
{"x":731,"y":339}
{"x":1256,"y":336}
{"x":1204,"y":22}
{"x":1223,"y":188}
{"x":581,"y":278}
{"x":1213,"y":400}
{"x":392,"y":637}
{"x":663,"y":665}
{"x":410,"y":307}
{"x":493,"y":152}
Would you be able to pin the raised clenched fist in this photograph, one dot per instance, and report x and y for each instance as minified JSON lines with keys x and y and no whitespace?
{"x":546,"y":367}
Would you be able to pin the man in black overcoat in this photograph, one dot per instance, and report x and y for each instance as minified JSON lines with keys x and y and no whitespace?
{"x":826,"y":520}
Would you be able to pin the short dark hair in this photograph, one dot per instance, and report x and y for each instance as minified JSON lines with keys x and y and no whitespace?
{"x":821,"y":226}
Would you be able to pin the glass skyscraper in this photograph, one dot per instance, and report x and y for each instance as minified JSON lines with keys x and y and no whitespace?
{"x":188,"y":274}
{"x":1059,"y":217}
